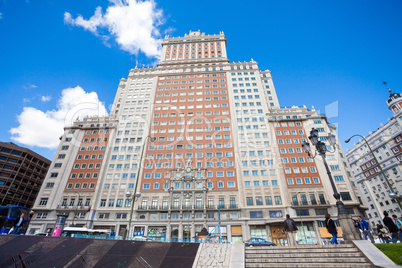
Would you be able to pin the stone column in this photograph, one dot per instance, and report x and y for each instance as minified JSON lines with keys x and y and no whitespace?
{"x":269,"y":233}
{"x":348,"y":229}
{"x":168,"y":231}
{"x":317,"y":232}
{"x":192,"y":233}
{"x":245,"y":231}
{"x":229,"y":233}
{"x":180,"y":231}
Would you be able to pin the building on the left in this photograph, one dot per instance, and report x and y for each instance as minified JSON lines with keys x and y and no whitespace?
{"x":22,"y":173}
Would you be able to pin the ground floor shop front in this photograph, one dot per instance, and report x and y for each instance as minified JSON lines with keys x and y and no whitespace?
{"x":310,"y":232}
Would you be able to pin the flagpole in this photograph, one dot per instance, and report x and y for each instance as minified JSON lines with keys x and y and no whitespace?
{"x":86,"y":215}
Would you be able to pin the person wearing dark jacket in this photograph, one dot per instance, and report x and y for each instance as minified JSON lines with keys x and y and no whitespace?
{"x":393,"y":229}
{"x":290,"y":230}
{"x":330,"y":224}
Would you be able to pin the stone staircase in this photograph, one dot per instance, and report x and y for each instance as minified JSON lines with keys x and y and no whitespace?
{"x":345,"y":255}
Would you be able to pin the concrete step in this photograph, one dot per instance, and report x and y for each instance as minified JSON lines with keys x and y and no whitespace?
{"x":306,"y":246}
{"x":312,"y":265}
{"x":300,"y":251}
{"x":302,"y":255}
{"x":321,"y":260}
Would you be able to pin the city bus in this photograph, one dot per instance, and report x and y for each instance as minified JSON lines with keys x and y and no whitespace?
{"x":86,"y":233}
{"x":8,"y":216}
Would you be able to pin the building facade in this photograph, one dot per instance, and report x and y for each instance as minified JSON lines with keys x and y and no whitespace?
{"x":217,"y":148}
{"x":386,"y":144}
{"x":22,"y":173}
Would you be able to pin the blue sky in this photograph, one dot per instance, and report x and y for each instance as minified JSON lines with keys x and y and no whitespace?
{"x":319,"y":52}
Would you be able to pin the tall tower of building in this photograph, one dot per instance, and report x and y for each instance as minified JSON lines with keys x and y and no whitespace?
{"x":216,"y":145}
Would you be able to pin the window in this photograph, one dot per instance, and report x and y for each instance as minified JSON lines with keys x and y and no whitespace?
{"x":278,"y":200}
{"x":275,"y":214}
{"x":322,"y":199}
{"x":321,"y":211}
{"x":41,"y":215}
{"x":43,"y":201}
{"x":50,"y":185}
{"x":334,"y":167}
{"x":255,"y":214}
{"x":104,"y":216}
{"x":338,"y":178}
{"x":302,"y":212}
{"x":249,"y":201}
{"x":345,"y":196}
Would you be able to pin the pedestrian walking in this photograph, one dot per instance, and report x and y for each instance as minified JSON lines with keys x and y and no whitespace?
{"x":393,"y":229}
{"x":398,"y":223}
{"x":330,"y":225}
{"x":365,"y":228}
{"x":17,"y":225}
{"x":383,"y":233}
{"x":290,"y":230}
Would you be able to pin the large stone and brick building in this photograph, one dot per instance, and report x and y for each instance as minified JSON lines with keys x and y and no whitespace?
{"x":220,"y":148}
{"x":386,"y":144}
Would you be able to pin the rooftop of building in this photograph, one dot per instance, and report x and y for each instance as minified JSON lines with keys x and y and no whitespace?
{"x":194,"y":36}
{"x":13,"y":146}
{"x":94,"y":121}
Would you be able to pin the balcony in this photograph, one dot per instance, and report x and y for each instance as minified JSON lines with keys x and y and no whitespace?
{"x":310,"y":204}
{"x":65,"y":208}
{"x":223,"y":207}
{"x":187,"y":207}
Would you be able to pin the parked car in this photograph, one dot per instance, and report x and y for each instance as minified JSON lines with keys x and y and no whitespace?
{"x":258,"y":242}
{"x":142,"y":238}
{"x":42,"y":234}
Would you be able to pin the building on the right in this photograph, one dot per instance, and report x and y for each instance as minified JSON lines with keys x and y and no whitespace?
{"x":376,"y":164}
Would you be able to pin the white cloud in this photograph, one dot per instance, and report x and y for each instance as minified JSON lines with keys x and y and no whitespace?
{"x":133,"y":24}
{"x":29,"y":86}
{"x":43,"y":129}
{"x":45,"y":98}
{"x":1,"y":15}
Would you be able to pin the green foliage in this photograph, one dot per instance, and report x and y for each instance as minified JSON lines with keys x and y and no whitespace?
{"x":393,"y":251}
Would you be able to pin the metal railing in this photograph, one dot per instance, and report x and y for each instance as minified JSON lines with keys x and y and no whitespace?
{"x":188,"y":207}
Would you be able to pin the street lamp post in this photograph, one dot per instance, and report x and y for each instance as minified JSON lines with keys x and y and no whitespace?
{"x":392,"y":194}
{"x":136,"y":194}
{"x":349,"y":231}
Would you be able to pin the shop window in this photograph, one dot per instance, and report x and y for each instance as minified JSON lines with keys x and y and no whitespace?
{"x":255,"y":214}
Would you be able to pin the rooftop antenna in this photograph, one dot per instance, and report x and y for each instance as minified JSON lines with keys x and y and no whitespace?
{"x":385,"y":83}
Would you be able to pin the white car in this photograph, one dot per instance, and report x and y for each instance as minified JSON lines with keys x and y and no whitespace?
{"x":142,"y":238}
